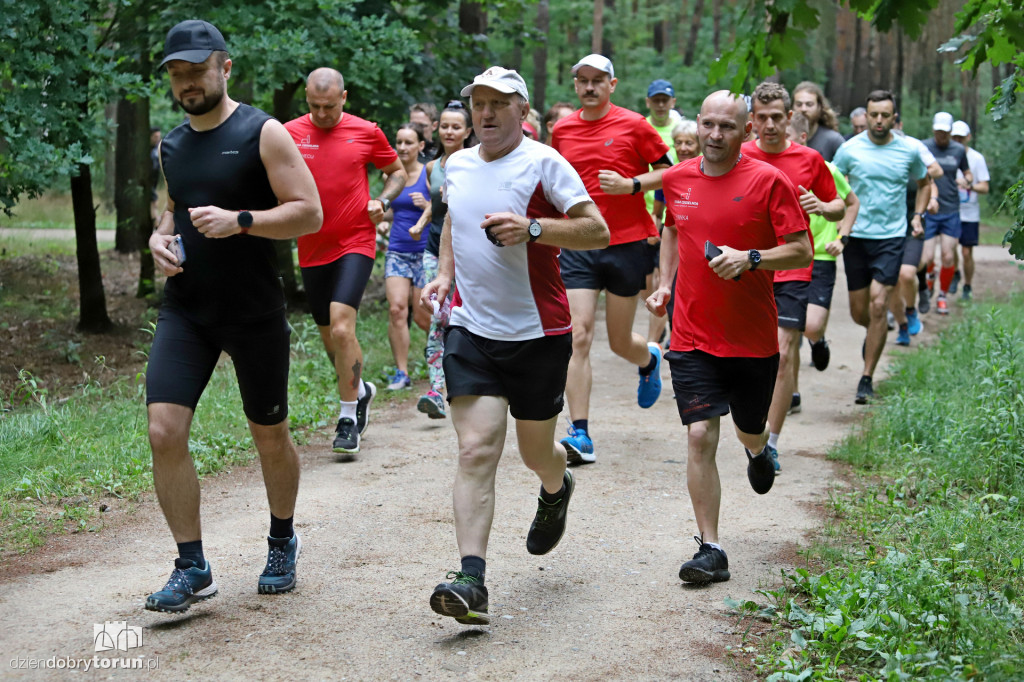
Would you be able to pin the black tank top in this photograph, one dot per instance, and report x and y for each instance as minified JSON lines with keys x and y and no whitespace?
{"x":234,"y":279}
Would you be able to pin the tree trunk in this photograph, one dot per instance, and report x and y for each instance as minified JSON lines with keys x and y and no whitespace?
{"x":109,"y":159}
{"x":717,"y":19}
{"x":691,"y":46}
{"x":132,"y":166}
{"x":283,"y":98}
{"x":607,"y":48}
{"x":540,"y":56}
{"x":898,"y":84}
{"x":684,"y":20}
{"x":597,"y":38}
{"x":92,"y":301}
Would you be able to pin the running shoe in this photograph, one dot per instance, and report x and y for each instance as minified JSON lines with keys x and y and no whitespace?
{"x":464,"y":599}
{"x":432,"y":405}
{"x":820,"y":355}
{"x":940,"y":305}
{"x":966,"y":295}
{"x":398,"y":381}
{"x":924,"y":303}
{"x":864,"y":391}
{"x":549,"y":523}
{"x":363,"y":406}
{"x":773,"y":455}
{"x":955,"y":283}
{"x":794,"y":404}
{"x":760,"y":471}
{"x":914,"y":322}
{"x":279,"y":574}
{"x":579,"y":449}
{"x":346,"y":436}
{"x":890,"y":320}
{"x":187,"y":585}
{"x":708,"y":565}
{"x":649,"y":390}
{"x":903,"y":336}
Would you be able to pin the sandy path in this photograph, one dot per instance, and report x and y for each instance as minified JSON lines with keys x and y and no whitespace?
{"x":378,"y":535}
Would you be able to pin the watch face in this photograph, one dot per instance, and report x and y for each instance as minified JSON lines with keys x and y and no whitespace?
{"x":245,"y":219}
{"x":535,"y":229}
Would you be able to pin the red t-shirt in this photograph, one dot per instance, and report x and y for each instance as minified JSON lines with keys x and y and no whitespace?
{"x":804,"y":167}
{"x":337,"y":158}
{"x":622,"y":141}
{"x":750,"y":207}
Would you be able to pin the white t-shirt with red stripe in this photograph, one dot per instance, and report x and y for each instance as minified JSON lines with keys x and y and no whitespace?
{"x":512,"y":293}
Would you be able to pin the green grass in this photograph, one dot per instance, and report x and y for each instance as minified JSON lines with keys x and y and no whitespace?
{"x":52,"y":211}
{"x":60,"y":458}
{"x":922,"y":567}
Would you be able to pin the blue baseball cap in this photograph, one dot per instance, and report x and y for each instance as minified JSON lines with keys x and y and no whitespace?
{"x":661,"y":87}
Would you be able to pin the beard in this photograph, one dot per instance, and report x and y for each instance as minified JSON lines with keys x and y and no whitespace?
{"x":203,"y":105}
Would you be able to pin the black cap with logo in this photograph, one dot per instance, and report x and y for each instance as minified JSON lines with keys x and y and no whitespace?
{"x":193,"y":41}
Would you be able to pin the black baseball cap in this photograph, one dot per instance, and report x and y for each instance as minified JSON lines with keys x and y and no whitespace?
{"x":193,"y":41}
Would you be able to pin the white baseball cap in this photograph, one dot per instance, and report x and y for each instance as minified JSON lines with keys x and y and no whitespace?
{"x":598,"y":61}
{"x":961,"y":129}
{"x":502,"y":80}
{"x":942,"y":121}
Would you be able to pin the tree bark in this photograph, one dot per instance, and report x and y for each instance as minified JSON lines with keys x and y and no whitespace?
{"x":283,"y":99}
{"x":92,"y":301}
{"x":691,"y":46}
{"x":540,"y":56}
{"x":597,"y":38}
{"x":132,"y":166}
{"x":717,"y":33}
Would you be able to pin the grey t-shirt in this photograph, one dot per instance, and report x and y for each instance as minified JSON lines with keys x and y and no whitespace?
{"x":952,"y":157}
{"x":826,"y":142}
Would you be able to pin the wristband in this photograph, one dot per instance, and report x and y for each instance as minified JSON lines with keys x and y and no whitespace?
{"x":844,"y":238}
{"x":636,"y":186}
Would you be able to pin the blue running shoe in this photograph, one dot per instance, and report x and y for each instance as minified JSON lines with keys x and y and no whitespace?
{"x":650,"y":385}
{"x":187,"y":585}
{"x":279,"y":575}
{"x":579,"y":449}
{"x":398,"y":381}
{"x":773,"y":455}
{"x":914,"y":323}
{"x":903,"y":336}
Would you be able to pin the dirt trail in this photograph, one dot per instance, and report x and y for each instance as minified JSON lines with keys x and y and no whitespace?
{"x":378,"y":535}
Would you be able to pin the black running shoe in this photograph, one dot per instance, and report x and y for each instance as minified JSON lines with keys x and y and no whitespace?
{"x":760,"y":471}
{"x":795,"y":406}
{"x":188,"y":584}
{"x":279,"y":575}
{"x":924,"y":301}
{"x":955,"y":284}
{"x":464,"y":599}
{"x":549,"y":523}
{"x":820,"y":355}
{"x":363,"y":406}
{"x":708,"y":565}
{"x":864,"y":391}
{"x":346,"y":439}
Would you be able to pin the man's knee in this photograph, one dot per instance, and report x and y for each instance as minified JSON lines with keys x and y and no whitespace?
{"x":166,"y":434}
{"x":478,"y":453}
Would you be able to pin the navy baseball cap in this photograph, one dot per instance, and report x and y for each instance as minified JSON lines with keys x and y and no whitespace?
{"x":661,"y":87}
{"x":193,"y":41}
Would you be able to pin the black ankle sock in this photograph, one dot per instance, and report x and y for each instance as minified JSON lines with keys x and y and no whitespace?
{"x":192,"y":550}
{"x":281,"y":528}
{"x":922,"y":280}
{"x":644,"y":371}
{"x":581,"y":425}
{"x":551,"y":498}
{"x":911,"y":310}
{"x":474,"y":566}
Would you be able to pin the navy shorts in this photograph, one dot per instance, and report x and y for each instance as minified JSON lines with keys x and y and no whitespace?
{"x":942,"y":223}
{"x":708,"y":386}
{"x":621,"y":269}
{"x":340,"y":281}
{"x":823,"y":282}
{"x":185,"y":353}
{"x":529,"y":374}
{"x":968,"y":233}
{"x":873,"y":259}
{"x":791,"y":302}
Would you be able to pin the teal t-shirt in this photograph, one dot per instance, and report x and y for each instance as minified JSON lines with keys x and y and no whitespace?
{"x":879,"y":175}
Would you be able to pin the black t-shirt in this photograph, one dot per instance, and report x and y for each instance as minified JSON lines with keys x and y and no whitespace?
{"x":952,"y":157}
{"x":235,"y":279}
{"x":826,"y":142}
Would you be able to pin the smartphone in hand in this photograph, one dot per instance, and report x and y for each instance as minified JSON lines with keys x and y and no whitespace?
{"x":178,"y":249}
{"x":712,"y":251}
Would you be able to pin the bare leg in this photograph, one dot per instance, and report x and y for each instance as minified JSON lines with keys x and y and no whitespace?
{"x":540,"y":452}
{"x":174,"y":474}
{"x":397,"y":291}
{"x":280,"y":464}
{"x":877,"y":329}
{"x":789,"y":355}
{"x":583,"y":308}
{"x":702,"y":479}
{"x":968,"y":252}
{"x":344,"y":350}
{"x":619,"y":314}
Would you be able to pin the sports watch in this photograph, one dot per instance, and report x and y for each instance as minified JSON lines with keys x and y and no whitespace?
{"x":755,"y":258}
{"x":385,"y":204}
{"x":244,"y":221}
{"x":844,"y":239}
{"x":535,"y":230}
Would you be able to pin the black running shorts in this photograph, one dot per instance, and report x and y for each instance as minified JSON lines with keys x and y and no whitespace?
{"x":708,"y":386}
{"x":823,"y":282}
{"x":340,"y":281}
{"x":912,"y":250}
{"x":529,"y":374}
{"x":621,"y":269}
{"x":873,"y":259}
{"x":184,"y":354}
{"x":791,"y":302}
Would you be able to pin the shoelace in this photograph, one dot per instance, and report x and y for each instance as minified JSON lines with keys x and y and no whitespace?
{"x":703,"y":548}
{"x":276,"y":561}
{"x":178,"y":582}
{"x":345,"y":428}
{"x":460,"y":578}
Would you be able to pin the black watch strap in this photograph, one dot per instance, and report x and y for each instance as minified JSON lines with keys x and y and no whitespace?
{"x":845,"y":238}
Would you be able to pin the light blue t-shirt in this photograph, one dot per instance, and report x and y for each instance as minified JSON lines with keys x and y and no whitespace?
{"x":879,"y":175}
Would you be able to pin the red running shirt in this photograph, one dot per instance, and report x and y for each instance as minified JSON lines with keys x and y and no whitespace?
{"x":750,"y":207}
{"x":622,"y":141}
{"x":805,"y":168}
{"x":337,"y":158}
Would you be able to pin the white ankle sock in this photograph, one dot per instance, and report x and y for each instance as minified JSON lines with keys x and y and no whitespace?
{"x":773,"y":440}
{"x":348,"y":410}
{"x":362,"y":389}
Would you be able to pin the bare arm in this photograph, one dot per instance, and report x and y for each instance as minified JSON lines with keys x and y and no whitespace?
{"x":794,"y":254}
{"x":394,"y":181}
{"x":584,"y":228}
{"x":833,"y":211}
{"x":845,"y":225}
{"x":613,"y":183}
{"x":445,"y":268}
{"x":162,"y":236}
{"x":668,"y":262}
{"x":926,"y":192}
{"x":935,"y":170}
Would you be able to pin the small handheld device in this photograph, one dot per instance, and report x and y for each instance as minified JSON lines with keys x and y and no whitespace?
{"x":491,"y":238}
{"x":177,"y":247}
{"x":712,"y":251}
